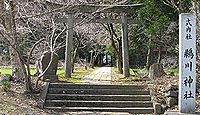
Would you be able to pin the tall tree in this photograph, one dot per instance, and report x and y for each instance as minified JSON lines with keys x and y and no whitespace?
{"x":10,"y":36}
{"x":116,"y":43}
{"x":156,"y":19}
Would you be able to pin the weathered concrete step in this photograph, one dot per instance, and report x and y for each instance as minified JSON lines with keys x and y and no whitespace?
{"x":80,"y":103}
{"x":91,"y":86}
{"x":99,"y":97}
{"x":105,"y":109}
{"x":98,"y":91}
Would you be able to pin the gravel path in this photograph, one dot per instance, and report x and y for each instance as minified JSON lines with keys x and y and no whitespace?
{"x":100,"y":76}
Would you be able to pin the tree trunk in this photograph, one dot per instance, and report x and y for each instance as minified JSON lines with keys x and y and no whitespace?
{"x":149,"y":55}
{"x":86,"y":62}
{"x":92,"y":64}
{"x":91,"y":58}
{"x":99,"y":60}
{"x":106,"y":58}
{"x":117,"y":51}
{"x":94,"y":58}
{"x":119,"y":63}
{"x":15,"y":59}
{"x":28,"y":83}
{"x":74,"y":58}
{"x":159,"y":54}
{"x":14,"y":64}
{"x":20,"y":61}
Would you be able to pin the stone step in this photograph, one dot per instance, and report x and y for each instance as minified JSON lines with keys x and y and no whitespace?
{"x":98,"y":91}
{"x":134,"y":99}
{"x":92,"y":86}
{"x":140,"y":110}
{"x":99,"y":97}
{"x":80,"y":103}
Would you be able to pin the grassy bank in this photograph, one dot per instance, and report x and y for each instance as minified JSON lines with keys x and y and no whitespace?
{"x":79,"y":72}
{"x":134,"y":71}
{"x":8,"y":70}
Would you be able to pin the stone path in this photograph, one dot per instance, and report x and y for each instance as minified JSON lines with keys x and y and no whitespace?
{"x":100,"y":76}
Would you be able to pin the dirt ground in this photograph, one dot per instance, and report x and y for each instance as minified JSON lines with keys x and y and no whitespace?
{"x":15,"y":102}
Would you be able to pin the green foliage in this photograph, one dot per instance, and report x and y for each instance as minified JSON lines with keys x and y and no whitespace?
{"x":173,"y":52}
{"x":76,"y":76}
{"x":137,"y":47}
{"x":5,"y":85}
{"x":134,"y":71}
{"x":110,"y":49}
{"x":156,"y":15}
{"x":185,"y":5}
{"x":7,"y":70}
{"x":172,"y":71}
{"x":156,"y":28}
{"x":153,"y":22}
{"x":153,"y":18}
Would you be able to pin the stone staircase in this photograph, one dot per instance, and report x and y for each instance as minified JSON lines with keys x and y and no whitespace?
{"x":134,"y":99}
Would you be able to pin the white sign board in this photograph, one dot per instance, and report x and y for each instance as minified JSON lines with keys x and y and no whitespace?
{"x":187,"y":62}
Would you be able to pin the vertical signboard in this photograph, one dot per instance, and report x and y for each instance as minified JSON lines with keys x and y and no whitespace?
{"x":187,"y":62}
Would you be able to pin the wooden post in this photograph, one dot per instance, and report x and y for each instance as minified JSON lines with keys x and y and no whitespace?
{"x":69,"y":45}
{"x":125,"y":54}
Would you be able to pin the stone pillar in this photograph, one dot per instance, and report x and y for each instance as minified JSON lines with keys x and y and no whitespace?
{"x":125,"y":54}
{"x":69,"y":45}
{"x":187,"y":62}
